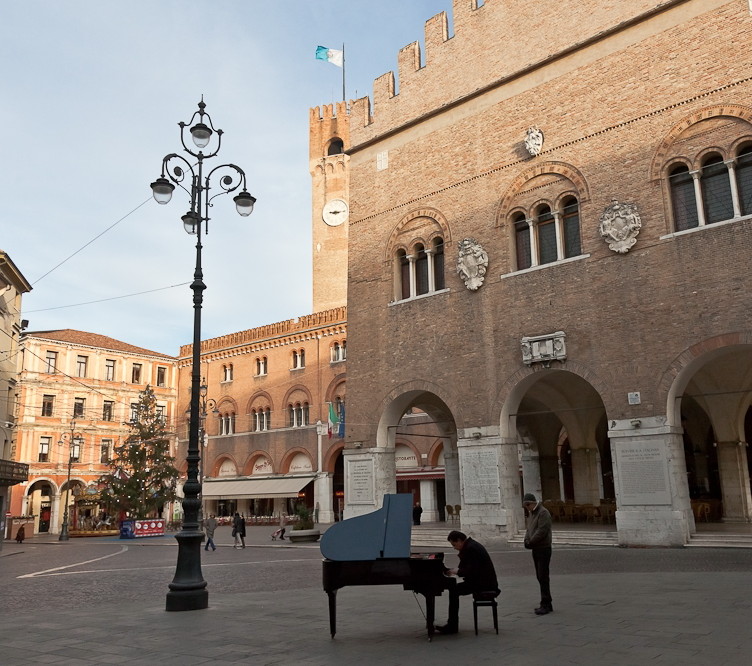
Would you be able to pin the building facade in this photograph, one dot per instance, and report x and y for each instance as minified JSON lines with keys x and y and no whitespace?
{"x":547,"y":256}
{"x":266,"y":434}
{"x":12,"y":287}
{"x":78,"y":391}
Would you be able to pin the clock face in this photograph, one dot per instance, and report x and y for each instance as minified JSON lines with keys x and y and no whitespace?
{"x":335,"y":212}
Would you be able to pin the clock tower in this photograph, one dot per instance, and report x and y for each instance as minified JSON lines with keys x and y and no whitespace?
{"x":329,"y":138}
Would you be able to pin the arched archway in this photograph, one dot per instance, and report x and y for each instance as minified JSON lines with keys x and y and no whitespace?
{"x":710,"y":400}
{"x":558,"y":418}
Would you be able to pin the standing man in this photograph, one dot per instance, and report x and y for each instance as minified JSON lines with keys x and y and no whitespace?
{"x":417,"y":512}
{"x":209,"y":526}
{"x":238,"y":530}
{"x":538,"y":539}
{"x":478,"y":572}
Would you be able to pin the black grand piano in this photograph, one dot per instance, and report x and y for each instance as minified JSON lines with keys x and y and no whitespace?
{"x":374,"y":549}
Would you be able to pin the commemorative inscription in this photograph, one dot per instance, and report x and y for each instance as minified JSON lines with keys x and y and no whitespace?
{"x":360,"y":482}
{"x":480,"y":477}
{"x":643,"y":473}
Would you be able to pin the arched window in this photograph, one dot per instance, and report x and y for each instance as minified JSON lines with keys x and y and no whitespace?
{"x":570,"y":212}
{"x":291,"y":416}
{"x":545,"y":227}
{"x":421,"y":270}
{"x":404,"y":274}
{"x":267,"y":418}
{"x":336,"y":147}
{"x":256,"y":419}
{"x":716,"y":190}
{"x":683,"y":202}
{"x":522,"y":242}
{"x":438,"y":263}
{"x":744,"y":180}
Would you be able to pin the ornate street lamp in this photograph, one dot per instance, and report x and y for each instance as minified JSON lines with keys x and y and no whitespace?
{"x":204,"y":403}
{"x":75,"y":441}
{"x":188,"y":588}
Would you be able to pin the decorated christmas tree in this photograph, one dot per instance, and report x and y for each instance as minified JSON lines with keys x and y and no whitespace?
{"x":142,"y":476}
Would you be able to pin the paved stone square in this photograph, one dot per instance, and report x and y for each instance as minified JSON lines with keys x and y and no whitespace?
{"x":612,"y":606}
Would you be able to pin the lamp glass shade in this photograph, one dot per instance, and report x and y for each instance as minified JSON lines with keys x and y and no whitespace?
{"x":161,"y":190}
{"x":191,"y":222}
{"x":201,"y":135}
{"x":244,"y":203}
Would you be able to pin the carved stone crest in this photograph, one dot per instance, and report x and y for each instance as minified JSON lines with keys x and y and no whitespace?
{"x":472,"y":263}
{"x":620,"y":224}
{"x":533,"y":140}
{"x":544,"y":348}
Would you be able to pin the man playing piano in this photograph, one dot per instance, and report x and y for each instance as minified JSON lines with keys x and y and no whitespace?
{"x":477,"y":570}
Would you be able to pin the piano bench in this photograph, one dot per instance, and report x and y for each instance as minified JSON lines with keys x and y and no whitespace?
{"x":486,"y":599}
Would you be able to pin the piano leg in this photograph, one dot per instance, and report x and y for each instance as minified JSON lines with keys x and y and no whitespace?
{"x":430,"y":614}
{"x":332,"y":612}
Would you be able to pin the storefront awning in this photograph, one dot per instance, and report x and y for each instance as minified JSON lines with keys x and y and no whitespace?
{"x":254,"y":488}
{"x":413,"y":474}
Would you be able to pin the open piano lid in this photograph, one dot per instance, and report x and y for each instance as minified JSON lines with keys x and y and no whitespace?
{"x":384,"y":533}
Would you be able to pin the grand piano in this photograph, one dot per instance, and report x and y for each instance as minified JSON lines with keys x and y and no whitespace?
{"x":374,"y":549}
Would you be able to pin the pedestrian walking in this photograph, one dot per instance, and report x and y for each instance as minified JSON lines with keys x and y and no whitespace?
{"x":21,"y":534}
{"x":238,"y":530}
{"x":280,"y":531}
{"x":538,"y":539}
{"x":210,"y":524}
{"x":417,"y":512}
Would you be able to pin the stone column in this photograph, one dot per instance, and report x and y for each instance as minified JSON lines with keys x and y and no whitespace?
{"x":531,"y":476}
{"x":369,"y":475}
{"x":490,"y":481}
{"x":56,"y":515}
{"x":731,"y":165}
{"x":650,"y":477}
{"x":585,"y":471}
{"x":698,"y":198}
{"x":734,"y":473}
{"x":323,"y":498}
{"x":451,"y":475}
{"x":428,"y":501}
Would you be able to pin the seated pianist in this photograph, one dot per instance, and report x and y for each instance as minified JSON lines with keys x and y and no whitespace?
{"x":478,"y":572}
{"x":374,"y":549}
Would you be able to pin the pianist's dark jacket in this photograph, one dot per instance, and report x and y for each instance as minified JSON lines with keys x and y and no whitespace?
{"x":476,"y":567}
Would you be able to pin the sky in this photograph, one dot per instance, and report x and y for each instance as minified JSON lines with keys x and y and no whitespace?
{"x":91,"y":93}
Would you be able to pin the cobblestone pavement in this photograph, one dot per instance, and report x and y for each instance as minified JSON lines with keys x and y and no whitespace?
{"x":101,"y":601}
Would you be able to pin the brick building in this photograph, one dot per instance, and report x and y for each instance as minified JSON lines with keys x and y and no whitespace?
{"x":77,"y":392}
{"x":548,"y":232}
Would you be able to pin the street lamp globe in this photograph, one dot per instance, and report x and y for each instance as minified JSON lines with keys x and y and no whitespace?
{"x":244,"y":203}
{"x":162,"y":190}
{"x":201,"y":134}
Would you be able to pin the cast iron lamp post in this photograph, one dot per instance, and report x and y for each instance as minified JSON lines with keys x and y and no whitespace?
{"x":188,"y":588}
{"x":204,"y":403}
{"x":75,"y":439}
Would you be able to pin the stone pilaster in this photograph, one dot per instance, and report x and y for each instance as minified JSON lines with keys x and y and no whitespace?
{"x":650,"y":475}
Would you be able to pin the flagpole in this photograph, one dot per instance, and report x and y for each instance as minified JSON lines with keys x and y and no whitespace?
{"x":343,"y":71}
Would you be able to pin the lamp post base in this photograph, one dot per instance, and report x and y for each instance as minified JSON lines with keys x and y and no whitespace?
{"x":187,"y":600}
{"x":188,"y":588}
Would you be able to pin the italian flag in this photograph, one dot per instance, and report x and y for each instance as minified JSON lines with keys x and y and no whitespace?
{"x":333,"y":419}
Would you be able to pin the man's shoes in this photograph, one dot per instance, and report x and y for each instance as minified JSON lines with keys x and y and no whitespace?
{"x":445,"y":629}
{"x":544,"y":610}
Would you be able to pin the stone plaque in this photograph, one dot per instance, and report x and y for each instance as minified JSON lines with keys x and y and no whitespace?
{"x":480,"y":476}
{"x":643,"y":474}
{"x":359,"y":475}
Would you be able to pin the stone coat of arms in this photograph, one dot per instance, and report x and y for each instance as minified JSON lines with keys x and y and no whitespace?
{"x":533,"y":141}
{"x":620,"y":224}
{"x":472,"y":263}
